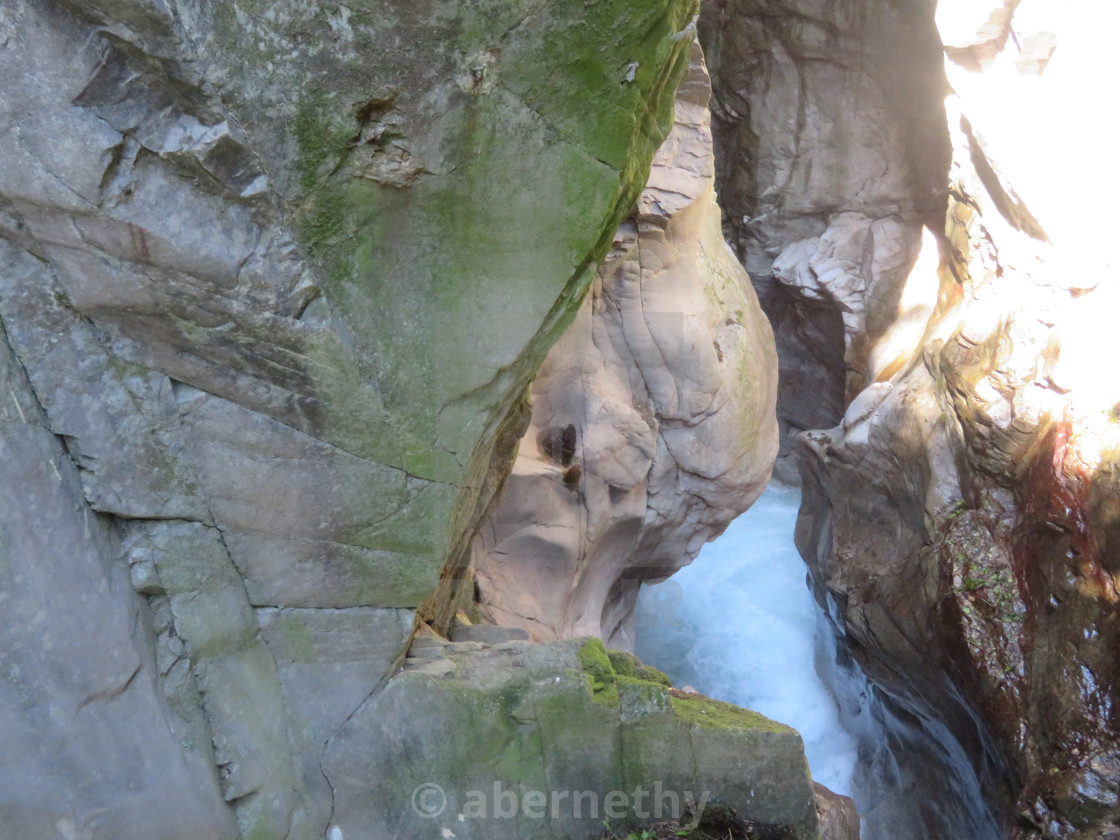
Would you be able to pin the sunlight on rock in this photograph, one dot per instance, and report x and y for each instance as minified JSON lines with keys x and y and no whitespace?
{"x":919,"y":296}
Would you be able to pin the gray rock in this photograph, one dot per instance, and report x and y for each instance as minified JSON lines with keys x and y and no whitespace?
{"x":508,"y":743}
{"x":97,"y":749}
{"x":489,"y":634}
{"x":235,"y":673}
{"x":328,"y":662}
{"x":307,"y":523}
{"x":277,"y":279}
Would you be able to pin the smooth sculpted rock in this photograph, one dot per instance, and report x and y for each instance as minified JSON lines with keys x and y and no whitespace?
{"x":652,"y":418}
{"x":528,"y":741}
{"x":274,"y":277}
{"x":836,"y":815}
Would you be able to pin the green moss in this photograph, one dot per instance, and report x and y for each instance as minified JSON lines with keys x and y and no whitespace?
{"x":296,"y":638}
{"x":601,"y":678}
{"x":640,"y":699}
{"x":323,"y":133}
{"x":628,"y":665}
{"x":606,"y":670}
{"x":520,"y":760}
{"x":385,"y":578}
{"x":455,"y":287}
{"x":715,"y":714}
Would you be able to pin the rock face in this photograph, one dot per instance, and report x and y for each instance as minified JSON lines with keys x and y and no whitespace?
{"x":959,"y":492}
{"x":492,"y":743}
{"x":832,"y":154}
{"x":652,"y":417}
{"x":274,"y":277}
{"x":836,"y":815}
{"x":1003,"y":432}
{"x":85,"y":718}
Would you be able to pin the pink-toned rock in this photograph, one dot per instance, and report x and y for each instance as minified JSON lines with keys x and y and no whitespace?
{"x":836,"y":815}
{"x":653,"y":416}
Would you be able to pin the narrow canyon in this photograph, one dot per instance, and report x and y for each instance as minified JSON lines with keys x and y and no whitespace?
{"x":363,"y":363}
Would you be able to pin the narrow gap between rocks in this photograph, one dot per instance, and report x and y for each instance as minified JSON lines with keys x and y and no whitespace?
{"x":740,"y":624}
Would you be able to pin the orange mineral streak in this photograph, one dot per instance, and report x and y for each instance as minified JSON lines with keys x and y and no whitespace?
{"x":1063,"y":495}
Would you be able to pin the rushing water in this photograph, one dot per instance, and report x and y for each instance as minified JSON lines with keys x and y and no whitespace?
{"x":740,"y":625}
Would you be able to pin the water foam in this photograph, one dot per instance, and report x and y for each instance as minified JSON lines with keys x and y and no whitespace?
{"x":740,"y":625}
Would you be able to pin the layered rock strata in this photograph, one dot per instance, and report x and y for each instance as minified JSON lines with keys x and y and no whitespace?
{"x":273,"y":279}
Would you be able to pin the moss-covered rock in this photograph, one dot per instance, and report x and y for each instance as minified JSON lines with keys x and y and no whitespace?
{"x":712,"y":714}
{"x":600,"y":673}
{"x":628,"y":665}
{"x":506,"y":742}
{"x":279,"y":274}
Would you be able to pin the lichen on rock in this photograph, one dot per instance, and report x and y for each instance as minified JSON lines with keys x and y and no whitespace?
{"x":485,"y":727}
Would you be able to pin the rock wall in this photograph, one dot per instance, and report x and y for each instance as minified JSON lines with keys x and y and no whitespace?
{"x":832,"y":153}
{"x":1002,"y":426}
{"x":274,"y":277}
{"x":652,"y":417}
{"x":958,"y":511}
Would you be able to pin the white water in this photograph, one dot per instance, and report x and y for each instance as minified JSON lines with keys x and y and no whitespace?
{"x":740,"y":625}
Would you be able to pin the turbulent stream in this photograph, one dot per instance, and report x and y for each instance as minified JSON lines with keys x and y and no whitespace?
{"x":740,"y":624}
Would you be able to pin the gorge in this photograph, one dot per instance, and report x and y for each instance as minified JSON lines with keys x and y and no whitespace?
{"x":359,"y":363}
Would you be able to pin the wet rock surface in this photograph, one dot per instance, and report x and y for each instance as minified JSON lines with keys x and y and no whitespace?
{"x":956,"y":515}
{"x":836,"y":815}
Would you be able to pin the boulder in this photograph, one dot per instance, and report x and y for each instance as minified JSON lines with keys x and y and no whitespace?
{"x":540,"y":740}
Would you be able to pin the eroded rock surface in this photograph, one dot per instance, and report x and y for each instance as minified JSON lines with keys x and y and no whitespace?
{"x":832,"y":152}
{"x":836,"y":815}
{"x":273,"y":277}
{"x":652,"y":418}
